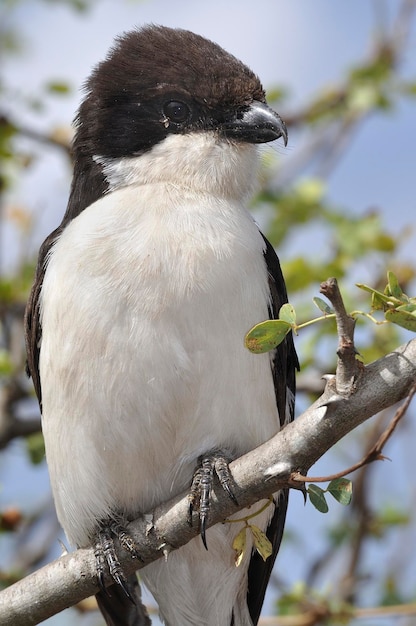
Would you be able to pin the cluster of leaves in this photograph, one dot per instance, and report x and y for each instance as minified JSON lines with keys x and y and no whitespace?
{"x":398,"y":308}
{"x":339,"y":488}
{"x":260,"y":541}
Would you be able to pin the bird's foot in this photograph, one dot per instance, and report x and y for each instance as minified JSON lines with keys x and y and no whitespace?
{"x":201,"y":487}
{"x":106,"y":555}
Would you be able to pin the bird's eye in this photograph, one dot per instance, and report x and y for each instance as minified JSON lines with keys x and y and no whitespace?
{"x":176,"y":111}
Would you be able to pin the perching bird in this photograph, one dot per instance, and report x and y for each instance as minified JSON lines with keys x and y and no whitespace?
{"x":136,"y":322}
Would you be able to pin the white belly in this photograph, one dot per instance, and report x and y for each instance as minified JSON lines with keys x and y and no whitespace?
{"x":143,"y":365}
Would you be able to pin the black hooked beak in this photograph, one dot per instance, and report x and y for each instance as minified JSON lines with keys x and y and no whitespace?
{"x":256,"y":124}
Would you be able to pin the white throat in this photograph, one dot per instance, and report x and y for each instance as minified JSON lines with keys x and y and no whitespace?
{"x":201,"y":161}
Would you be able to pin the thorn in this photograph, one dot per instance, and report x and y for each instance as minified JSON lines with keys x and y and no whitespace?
{"x":166,"y":550}
{"x":149,"y":523}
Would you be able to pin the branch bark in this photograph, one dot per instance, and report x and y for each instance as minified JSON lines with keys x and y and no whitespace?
{"x":256,"y":475}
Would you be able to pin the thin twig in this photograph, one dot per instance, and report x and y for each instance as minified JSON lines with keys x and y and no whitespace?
{"x":31,"y":133}
{"x":347,"y":367}
{"x":374,"y":454}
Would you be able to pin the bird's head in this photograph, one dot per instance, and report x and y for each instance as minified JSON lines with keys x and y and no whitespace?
{"x":169,"y":105}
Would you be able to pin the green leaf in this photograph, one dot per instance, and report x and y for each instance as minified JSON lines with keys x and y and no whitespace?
{"x":266,"y":336}
{"x":341,"y":490}
{"x":393,"y":288}
{"x":36,"y":447}
{"x":58,"y":87}
{"x":6,"y":365}
{"x":287,"y":313}
{"x":317,"y":498}
{"x":323,"y":306}
{"x":377,"y":303}
{"x":380,"y":300}
{"x":391,"y":516}
{"x":383,"y":297}
{"x":402,"y":318}
{"x":409,"y":307}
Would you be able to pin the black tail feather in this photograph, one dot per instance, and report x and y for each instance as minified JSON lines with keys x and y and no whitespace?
{"x":118,"y":609}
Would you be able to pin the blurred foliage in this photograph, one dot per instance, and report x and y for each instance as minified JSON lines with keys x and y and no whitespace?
{"x":340,"y":244}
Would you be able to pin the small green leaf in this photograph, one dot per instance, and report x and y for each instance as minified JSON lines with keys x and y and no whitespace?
{"x":377,"y":303}
{"x":266,"y":336}
{"x":341,"y":490}
{"x":317,"y":498}
{"x":408,"y":307}
{"x":402,"y":318}
{"x":367,"y":288}
{"x":287,"y":313}
{"x":393,"y":288}
{"x":36,"y":447}
{"x":6,"y":365}
{"x":323,"y":306}
{"x":380,"y":300}
{"x":58,"y":87}
{"x":391,"y":516}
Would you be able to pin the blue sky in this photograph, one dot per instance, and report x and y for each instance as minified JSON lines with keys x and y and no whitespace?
{"x":300,"y":44}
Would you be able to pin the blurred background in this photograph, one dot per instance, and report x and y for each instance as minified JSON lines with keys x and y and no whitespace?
{"x":339,"y":200}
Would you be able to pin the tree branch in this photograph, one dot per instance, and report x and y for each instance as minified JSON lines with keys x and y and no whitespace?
{"x":375,"y":452}
{"x":256,"y":475}
{"x":348,"y":366}
{"x":43,"y":138}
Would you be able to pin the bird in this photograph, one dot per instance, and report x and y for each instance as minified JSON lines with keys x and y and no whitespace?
{"x":136,"y":321}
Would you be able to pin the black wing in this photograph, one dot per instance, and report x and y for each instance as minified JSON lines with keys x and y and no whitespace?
{"x":88,"y":185}
{"x":284,"y":364}
{"x":32,"y":321}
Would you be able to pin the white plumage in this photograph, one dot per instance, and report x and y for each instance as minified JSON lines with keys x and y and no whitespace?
{"x":146,"y":300}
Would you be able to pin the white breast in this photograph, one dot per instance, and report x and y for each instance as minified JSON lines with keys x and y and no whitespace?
{"x":144,"y":309}
{"x":142,"y":350}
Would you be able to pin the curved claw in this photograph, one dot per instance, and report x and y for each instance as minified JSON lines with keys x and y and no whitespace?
{"x":203,"y":529}
{"x":122,"y":582}
{"x":230,"y":493}
{"x":103,"y":588}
